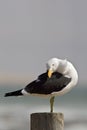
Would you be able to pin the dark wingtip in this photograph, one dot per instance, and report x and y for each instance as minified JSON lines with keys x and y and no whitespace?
{"x":14,"y":93}
{"x":6,"y":95}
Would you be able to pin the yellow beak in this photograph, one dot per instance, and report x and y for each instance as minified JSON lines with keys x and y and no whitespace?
{"x":50,"y":73}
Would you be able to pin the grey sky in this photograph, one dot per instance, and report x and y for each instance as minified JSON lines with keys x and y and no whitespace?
{"x":32,"y":31}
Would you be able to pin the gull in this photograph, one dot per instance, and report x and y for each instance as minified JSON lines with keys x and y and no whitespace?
{"x":60,"y":77}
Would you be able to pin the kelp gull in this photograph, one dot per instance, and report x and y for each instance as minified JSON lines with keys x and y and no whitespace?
{"x":60,"y":78}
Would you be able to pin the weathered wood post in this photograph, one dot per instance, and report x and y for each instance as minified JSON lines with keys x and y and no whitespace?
{"x":47,"y":121}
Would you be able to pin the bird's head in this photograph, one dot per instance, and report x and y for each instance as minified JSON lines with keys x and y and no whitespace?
{"x":52,"y":66}
{"x":56,"y":65}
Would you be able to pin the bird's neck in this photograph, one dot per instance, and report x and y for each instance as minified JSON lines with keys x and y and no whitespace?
{"x":67,"y":69}
{"x":71,"y":72}
{"x":62,"y":68}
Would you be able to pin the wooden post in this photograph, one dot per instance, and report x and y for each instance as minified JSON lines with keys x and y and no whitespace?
{"x":47,"y":121}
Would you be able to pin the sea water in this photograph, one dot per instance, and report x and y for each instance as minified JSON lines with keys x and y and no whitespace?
{"x":15,"y":111}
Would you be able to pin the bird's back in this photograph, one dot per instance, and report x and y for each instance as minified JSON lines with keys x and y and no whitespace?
{"x":45,"y":85}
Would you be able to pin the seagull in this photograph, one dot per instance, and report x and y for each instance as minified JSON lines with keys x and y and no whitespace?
{"x":60,"y":77}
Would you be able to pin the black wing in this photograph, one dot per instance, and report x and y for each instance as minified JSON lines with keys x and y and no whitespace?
{"x":45,"y":85}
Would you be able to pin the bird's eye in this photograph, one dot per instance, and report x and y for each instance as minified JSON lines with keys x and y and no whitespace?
{"x":52,"y":64}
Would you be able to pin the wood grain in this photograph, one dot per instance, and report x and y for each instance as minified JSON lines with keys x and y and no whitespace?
{"x":47,"y":121}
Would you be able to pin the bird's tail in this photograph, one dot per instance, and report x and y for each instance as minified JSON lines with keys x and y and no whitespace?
{"x":15,"y":93}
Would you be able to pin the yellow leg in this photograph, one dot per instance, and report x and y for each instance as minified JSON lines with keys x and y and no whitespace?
{"x":51,"y":103}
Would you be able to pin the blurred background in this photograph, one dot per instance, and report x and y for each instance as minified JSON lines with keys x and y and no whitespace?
{"x":31,"y":32}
